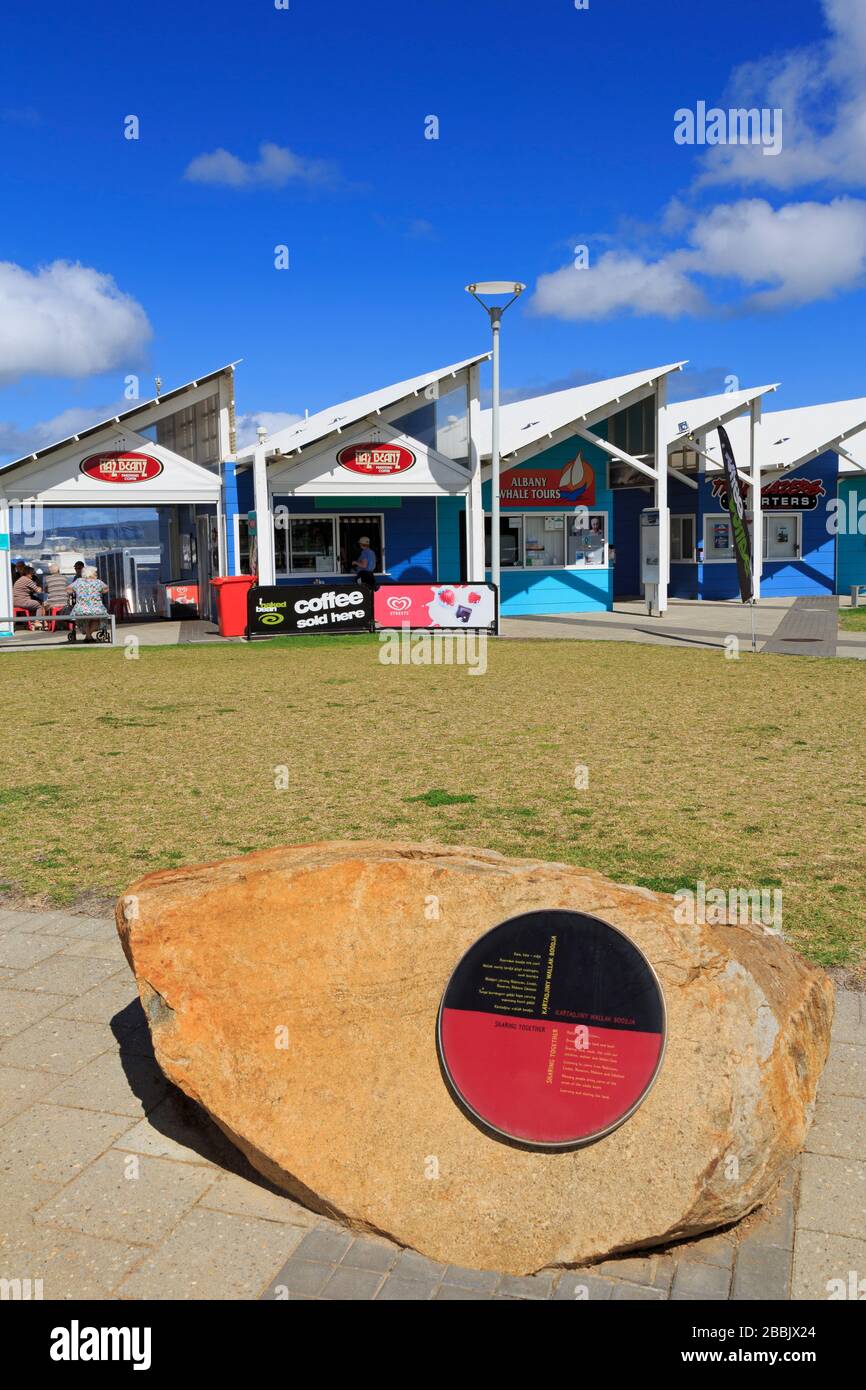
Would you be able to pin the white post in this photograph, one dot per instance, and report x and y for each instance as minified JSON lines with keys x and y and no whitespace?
{"x":264,"y":519}
{"x":495,"y":317}
{"x":661,"y":495}
{"x":474,"y":507}
{"x":757,"y":513}
{"x":6,"y":629}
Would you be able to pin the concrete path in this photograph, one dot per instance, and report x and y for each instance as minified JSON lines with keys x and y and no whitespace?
{"x":809,"y":628}
{"x":114,"y":1185}
{"x":693,"y":623}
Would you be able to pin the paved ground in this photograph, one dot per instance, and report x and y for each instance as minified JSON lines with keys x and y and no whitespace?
{"x":809,"y":628}
{"x":113,"y":1185}
{"x":693,"y":623}
{"x":784,"y":625}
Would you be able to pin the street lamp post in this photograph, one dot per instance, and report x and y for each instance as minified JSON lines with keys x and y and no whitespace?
{"x":496,"y":289}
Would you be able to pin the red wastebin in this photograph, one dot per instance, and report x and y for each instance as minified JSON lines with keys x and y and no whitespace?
{"x":231,"y":592}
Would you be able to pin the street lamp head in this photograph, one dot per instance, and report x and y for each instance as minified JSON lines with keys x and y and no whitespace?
{"x":495,"y":287}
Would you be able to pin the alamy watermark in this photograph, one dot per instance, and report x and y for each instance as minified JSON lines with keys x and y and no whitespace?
{"x":736,"y":126}
{"x":735,"y":907}
{"x":408,"y":648}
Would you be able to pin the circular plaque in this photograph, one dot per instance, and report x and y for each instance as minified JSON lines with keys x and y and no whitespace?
{"x":552,"y":1029}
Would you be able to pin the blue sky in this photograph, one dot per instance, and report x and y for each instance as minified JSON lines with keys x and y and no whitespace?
{"x":556,"y":129}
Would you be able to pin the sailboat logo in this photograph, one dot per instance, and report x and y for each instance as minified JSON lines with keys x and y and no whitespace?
{"x":577,"y":482}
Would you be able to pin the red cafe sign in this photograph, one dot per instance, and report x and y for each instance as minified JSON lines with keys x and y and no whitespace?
{"x":121,"y":468}
{"x":376,"y":460}
{"x":785,"y":494}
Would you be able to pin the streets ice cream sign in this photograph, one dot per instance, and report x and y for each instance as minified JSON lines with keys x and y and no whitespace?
{"x":376,"y":460}
{"x":435,"y":605}
{"x":121,"y":468}
{"x":785,"y":494}
{"x":573,"y":485}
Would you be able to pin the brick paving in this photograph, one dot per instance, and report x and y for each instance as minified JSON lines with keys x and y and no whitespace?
{"x":114,"y":1185}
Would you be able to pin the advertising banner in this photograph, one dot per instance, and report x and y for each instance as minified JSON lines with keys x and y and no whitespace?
{"x":737,"y":512}
{"x":435,"y":605}
{"x":309,"y":608}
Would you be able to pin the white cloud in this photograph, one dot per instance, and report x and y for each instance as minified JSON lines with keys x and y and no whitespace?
{"x":275,"y":167}
{"x":66,"y":320}
{"x":799,"y":253}
{"x":618,"y":283}
{"x":795,"y":254}
{"x":16,"y":440}
{"x":821,"y":91}
{"x":271,"y":420}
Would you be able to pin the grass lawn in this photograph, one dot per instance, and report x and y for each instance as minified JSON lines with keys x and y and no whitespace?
{"x":853,"y":619}
{"x":744,"y":773}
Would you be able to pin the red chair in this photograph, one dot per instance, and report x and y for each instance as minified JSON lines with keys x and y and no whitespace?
{"x":23,"y":613}
{"x":120,"y":608}
{"x":53,"y":609}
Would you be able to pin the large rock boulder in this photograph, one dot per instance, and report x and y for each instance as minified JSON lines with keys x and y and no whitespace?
{"x":294,"y":994}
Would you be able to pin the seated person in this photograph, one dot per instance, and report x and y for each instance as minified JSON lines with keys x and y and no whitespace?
{"x":26,"y":593}
{"x":88,"y":607}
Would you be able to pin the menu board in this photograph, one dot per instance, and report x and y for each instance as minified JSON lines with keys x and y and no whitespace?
{"x":552,"y":1029}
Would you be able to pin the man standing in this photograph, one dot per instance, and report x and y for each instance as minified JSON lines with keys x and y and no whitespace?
{"x":365,"y":565}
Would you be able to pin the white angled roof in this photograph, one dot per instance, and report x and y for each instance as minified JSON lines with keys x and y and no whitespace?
{"x":126,"y":417}
{"x":702,"y":413}
{"x":347,"y":413}
{"x":524,"y":423}
{"x":786,"y":438}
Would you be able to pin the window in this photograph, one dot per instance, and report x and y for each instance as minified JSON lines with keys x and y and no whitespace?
{"x":587,"y":541}
{"x":510,"y":541}
{"x":192,"y":432}
{"x":442,"y":423}
{"x":313,"y":545}
{"x":682,"y":538}
{"x":557,"y":540}
{"x":545,"y":541}
{"x":782,"y":536}
{"x":634,"y":429}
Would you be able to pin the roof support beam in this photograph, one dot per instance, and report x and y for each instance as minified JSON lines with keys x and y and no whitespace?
{"x":850,"y":458}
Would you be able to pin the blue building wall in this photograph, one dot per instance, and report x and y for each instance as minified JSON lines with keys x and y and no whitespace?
{"x":230,"y":503}
{"x":409,"y":531}
{"x":450,"y":512}
{"x":539,"y":590}
{"x":851,"y":541}
{"x":813,"y":572}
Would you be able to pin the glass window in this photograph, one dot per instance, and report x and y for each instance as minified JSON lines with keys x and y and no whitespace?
{"x":452,"y":425}
{"x":130,"y":547}
{"x":634,"y":429}
{"x":587,"y":540}
{"x":510,"y":541}
{"x":682,"y":538}
{"x":192,"y":432}
{"x":545,"y":541}
{"x":243,"y":558}
{"x":781,"y":537}
{"x":718,"y":541}
{"x":311,"y":545}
